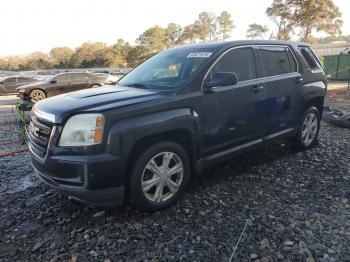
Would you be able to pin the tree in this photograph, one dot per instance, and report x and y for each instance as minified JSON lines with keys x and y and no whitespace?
{"x":173,"y":34}
{"x":188,"y":35}
{"x":225,"y":24}
{"x":316,"y":15}
{"x":85,"y":56}
{"x":60,"y":56}
{"x":281,"y":14}
{"x":256,"y":31}
{"x":153,"y":40}
{"x":205,"y":27}
{"x":37,"y":60}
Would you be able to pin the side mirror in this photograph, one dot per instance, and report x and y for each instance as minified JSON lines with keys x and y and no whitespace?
{"x":53,"y":81}
{"x":222,"y":79}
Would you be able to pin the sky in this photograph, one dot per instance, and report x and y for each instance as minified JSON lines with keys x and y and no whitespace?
{"x":39,"y":25}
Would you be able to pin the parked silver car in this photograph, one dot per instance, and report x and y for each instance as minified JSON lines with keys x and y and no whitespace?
{"x":8,"y":85}
{"x":60,"y":84}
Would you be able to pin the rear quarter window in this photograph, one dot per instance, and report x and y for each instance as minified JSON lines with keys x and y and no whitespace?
{"x":277,"y":60}
{"x":309,"y":57}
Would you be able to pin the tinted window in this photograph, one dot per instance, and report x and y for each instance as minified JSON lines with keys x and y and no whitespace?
{"x":23,"y":79}
{"x":275,"y":61}
{"x":239,"y":61}
{"x":309,"y":57}
{"x":80,"y":77}
{"x":292,"y":61}
{"x":10,"y":80}
{"x":63,"y":78}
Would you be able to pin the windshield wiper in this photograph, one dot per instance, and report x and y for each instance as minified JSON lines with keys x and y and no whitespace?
{"x":139,"y":85}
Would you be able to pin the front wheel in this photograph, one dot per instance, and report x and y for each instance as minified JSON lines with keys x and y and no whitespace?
{"x":36,"y":95}
{"x":308,"y":129}
{"x":159,"y":177}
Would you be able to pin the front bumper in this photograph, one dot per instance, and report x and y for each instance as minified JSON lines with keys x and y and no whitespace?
{"x":89,"y":173}
{"x":103,"y":197}
{"x":97,"y":180}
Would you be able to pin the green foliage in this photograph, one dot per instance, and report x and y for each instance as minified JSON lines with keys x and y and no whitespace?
{"x":226,"y":25}
{"x":60,"y":56}
{"x":281,"y":14}
{"x":307,"y":16}
{"x":256,"y":31}
{"x":153,"y":40}
{"x":316,"y":15}
{"x":207,"y":27}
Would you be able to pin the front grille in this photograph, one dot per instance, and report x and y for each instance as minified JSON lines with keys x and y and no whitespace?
{"x":39,"y":136}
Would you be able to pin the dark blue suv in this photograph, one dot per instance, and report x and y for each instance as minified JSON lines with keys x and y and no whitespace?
{"x":183,"y":110}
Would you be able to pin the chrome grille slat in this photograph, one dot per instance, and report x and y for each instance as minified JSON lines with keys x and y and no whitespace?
{"x":40,"y":140}
{"x":39,"y":136}
{"x":43,"y":128}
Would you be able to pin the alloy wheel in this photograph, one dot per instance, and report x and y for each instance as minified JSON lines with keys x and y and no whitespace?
{"x":162,"y":177}
{"x":309,"y":129}
{"x":37,"y":95}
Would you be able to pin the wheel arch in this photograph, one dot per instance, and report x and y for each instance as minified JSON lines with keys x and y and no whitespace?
{"x":317,"y":101}
{"x":129,"y":137}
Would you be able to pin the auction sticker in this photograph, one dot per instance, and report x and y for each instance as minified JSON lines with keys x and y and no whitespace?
{"x":199,"y":54}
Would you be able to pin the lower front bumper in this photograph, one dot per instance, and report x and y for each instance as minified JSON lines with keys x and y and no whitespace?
{"x":103,"y":197}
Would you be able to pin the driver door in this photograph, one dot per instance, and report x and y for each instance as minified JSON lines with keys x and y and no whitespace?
{"x":235,"y":114}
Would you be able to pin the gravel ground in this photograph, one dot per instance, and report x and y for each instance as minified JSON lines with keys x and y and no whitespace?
{"x":293,"y":206}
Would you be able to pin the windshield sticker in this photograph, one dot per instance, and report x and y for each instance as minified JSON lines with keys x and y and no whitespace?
{"x":199,"y":54}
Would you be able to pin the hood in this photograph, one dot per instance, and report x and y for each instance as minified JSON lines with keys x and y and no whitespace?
{"x":30,"y":86}
{"x":58,"y":108}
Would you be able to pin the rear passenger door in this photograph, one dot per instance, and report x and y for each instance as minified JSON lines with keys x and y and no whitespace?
{"x":10,"y":84}
{"x":281,"y":79}
{"x":62,"y":85}
{"x":80,"y":81}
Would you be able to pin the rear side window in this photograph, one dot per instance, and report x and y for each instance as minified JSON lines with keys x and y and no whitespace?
{"x":63,"y":78}
{"x":239,"y":61}
{"x":79,"y":77}
{"x":309,"y":57}
{"x":276,"y":60}
{"x":10,"y":80}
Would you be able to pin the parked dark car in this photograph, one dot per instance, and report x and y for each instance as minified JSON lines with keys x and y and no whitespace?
{"x":181,"y":111}
{"x":60,"y":84}
{"x":8,"y":85}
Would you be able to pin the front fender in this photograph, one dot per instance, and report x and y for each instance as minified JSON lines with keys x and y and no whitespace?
{"x":125,"y":133}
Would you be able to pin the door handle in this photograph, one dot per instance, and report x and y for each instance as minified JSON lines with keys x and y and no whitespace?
{"x":299,"y":79}
{"x":257,"y":88}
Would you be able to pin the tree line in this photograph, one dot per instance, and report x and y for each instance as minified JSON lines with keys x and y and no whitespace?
{"x":207,"y":27}
{"x":291,"y":18}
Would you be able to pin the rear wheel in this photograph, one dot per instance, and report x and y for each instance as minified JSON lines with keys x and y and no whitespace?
{"x":36,"y":95}
{"x":308,"y":129}
{"x":159,"y":177}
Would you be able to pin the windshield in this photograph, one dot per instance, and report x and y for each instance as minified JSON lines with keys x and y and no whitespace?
{"x":167,"y":70}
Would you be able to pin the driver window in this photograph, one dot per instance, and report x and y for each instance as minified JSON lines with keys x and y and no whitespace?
{"x":63,"y":78}
{"x":239,"y":61}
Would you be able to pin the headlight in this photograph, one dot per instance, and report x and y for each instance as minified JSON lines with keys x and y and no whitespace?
{"x":83,"y":130}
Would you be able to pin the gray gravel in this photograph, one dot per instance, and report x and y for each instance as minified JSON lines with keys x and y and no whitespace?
{"x":297,"y":205}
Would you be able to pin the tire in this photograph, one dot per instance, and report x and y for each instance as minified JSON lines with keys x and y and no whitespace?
{"x":95,"y":86}
{"x":308,"y":129}
{"x":36,"y":95}
{"x":146,"y":172}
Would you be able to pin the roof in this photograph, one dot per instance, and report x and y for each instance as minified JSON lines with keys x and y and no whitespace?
{"x":228,"y":44}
